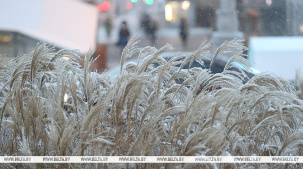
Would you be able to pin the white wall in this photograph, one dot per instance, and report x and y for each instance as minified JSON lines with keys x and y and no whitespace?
{"x":64,"y":23}
{"x":280,"y":56}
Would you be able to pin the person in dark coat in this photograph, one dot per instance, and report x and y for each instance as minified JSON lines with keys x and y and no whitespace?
{"x":145,"y":21}
{"x":153,"y":26}
{"x":123,"y":35}
{"x":108,"y":26}
{"x":184,"y":32}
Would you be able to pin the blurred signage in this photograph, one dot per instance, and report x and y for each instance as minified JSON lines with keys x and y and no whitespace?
{"x":148,"y":2}
{"x":105,"y":6}
{"x":129,"y":5}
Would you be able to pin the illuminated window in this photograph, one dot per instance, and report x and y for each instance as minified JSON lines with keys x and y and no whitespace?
{"x":171,"y":11}
{"x":168,"y":12}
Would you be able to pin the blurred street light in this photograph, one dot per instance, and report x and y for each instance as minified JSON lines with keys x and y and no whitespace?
{"x":185,"y":5}
{"x":129,"y":5}
{"x":268,"y":2}
{"x":301,"y":28}
{"x":149,"y":2}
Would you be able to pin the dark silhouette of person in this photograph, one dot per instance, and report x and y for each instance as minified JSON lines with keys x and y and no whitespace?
{"x":153,"y":26}
{"x":145,"y":21}
{"x":124,"y":35}
{"x":149,"y":26}
{"x":108,"y":26}
{"x":184,"y":32}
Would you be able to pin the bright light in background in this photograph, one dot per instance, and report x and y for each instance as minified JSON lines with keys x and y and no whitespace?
{"x":65,"y":97}
{"x":66,"y":58}
{"x":133,"y":1}
{"x":149,"y":2}
{"x":301,"y":28}
{"x":171,"y":11}
{"x":168,"y":12}
{"x":129,"y":5}
{"x":185,"y":5}
{"x":104,"y":6}
{"x":5,"y":38}
{"x":268,"y":2}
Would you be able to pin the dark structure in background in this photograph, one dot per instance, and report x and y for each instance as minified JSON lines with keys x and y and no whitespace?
{"x":205,"y":17}
{"x":257,"y":17}
{"x":273,"y":19}
{"x":205,"y":13}
{"x":295,"y":17}
{"x":14,"y":43}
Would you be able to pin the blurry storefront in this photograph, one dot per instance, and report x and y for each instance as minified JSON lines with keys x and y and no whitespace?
{"x":205,"y":12}
{"x":294,"y":17}
{"x":14,"y":43}
{"x":179,"y":9}
{"x":257,"y":18}
{"x":271,"y":17}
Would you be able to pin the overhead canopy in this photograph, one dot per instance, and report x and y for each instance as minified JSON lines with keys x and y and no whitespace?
{"x":63,"y":23}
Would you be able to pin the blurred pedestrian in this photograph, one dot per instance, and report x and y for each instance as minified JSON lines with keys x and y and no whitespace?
{"x":184,"y":32}
{"x":145,"y":22}
{"x":108,"y":26}
{"x":153,"y":26}
{"x":124,"y":35}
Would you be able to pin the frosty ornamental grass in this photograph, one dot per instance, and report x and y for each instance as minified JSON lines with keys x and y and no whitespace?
{"x":53,"y":107}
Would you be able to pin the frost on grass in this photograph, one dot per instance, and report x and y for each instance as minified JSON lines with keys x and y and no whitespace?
{"x":53,"y":107}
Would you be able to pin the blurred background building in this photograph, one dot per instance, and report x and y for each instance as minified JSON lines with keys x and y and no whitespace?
{"x":62,"y":24}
